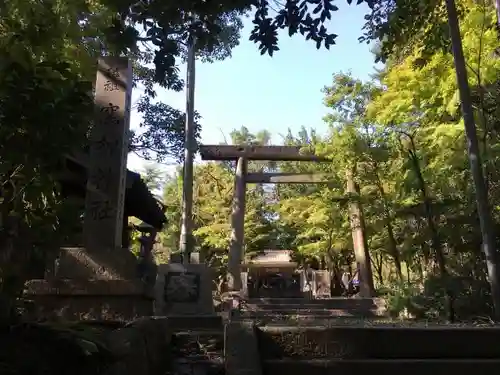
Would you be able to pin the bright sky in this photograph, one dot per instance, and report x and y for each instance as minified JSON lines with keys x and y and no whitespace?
{"x":272,"y":93}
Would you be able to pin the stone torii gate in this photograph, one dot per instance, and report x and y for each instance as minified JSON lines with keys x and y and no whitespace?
{"x":242,"y":154}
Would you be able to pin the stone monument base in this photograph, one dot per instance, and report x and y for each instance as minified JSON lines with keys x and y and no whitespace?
{"x":98,"y":264}
{"x":183,"y":289}
{"x":65,"y":299}
{"x":89,"y":284}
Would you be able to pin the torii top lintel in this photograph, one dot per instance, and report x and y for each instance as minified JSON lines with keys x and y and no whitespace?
{"x":271,"y":153}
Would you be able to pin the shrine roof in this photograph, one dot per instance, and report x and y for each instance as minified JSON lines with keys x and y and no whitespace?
{"x":139,"y":200}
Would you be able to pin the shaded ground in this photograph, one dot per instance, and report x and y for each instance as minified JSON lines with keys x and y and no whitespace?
{"x":40,"y":349}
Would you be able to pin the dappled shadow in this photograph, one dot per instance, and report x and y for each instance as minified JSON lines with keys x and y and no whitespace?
{"x":471,"y":299}
{"x":41,"y":349}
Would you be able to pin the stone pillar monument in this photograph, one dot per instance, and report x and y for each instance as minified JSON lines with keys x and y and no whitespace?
{"x":98,"y":281}
{"x":103,"y":221}
{"x":237,"y":227}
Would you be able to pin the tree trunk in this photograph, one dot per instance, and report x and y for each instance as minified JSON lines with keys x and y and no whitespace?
{"x":393,"y":247}
{"x":483,"y":209}
{"x":497,"y":7}
{"x":359,"y":240}
{"x":435,"y":240}
{"x":378,"y":265}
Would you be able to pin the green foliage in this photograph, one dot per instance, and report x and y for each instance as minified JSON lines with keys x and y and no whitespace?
{"x":152,"y":177}
{"x":164,"y":131}
{"x":45,"y":109}
{"x":402,"y":137}
{"x":215,"y":26}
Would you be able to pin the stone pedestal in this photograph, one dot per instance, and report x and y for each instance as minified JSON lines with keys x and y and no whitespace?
{"x":244,"y":285}
{"x":86,"y":284}
{"x":307,"y":283}
{"x":183,"y":289}
{"x":195,"y":258}
{"x":175,"y":258}
{"x":96,"y":264}
{"x":64,"y":299}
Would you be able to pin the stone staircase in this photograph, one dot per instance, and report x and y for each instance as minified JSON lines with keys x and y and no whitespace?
{"x":349,"y":335}
{"x":204,"y":345}
{"x":311,"y":309}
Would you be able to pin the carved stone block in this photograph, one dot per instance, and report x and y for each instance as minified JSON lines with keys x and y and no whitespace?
{"x":183,"y":289}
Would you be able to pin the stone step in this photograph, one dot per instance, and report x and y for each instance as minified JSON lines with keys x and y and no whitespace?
{"x":199,"y":343}
{"x":300,"y":306}
{"x":386,"y":367}
{"x":319,"y":313}
{"x":332,"y":303}
{"x":354,"y":342}
{"x":214,"y":361}
{"x":315,"y":310}
{"x":197,"y":366}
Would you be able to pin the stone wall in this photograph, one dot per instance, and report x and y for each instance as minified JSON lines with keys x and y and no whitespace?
{"x":387,"y":342}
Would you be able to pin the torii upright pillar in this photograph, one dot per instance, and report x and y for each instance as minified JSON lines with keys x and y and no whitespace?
{"x":237,"y":226}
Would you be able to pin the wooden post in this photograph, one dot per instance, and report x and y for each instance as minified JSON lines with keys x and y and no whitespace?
{"x":366,"y":287}
{"x":237,"y":227}
{"x":107,"y":172}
